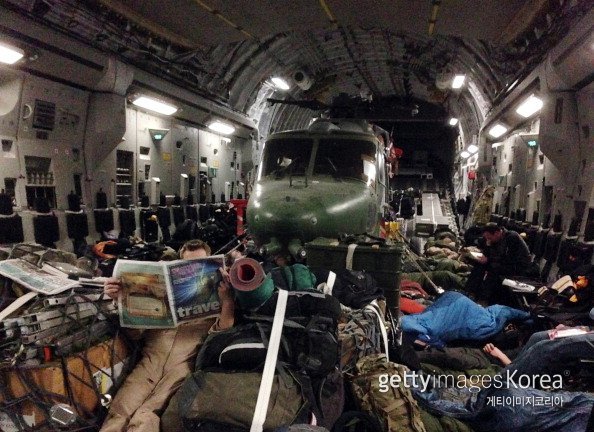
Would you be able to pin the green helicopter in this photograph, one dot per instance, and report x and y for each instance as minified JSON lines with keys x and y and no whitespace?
{"x":327,"y":180}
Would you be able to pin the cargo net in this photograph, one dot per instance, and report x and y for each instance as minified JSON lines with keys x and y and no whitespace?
{"x":62,"y":360}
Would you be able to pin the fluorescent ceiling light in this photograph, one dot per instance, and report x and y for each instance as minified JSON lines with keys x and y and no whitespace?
{"x":222,"y":128}
{"x":464,"y":155}
{"x":458,"y":81}
{"x":530,"y":106}
{"x":453,"y":121}
{"x":154,"y":105}
{"x":472,"y":149}
{"x":280,"y":83}
{"x":9,"y":54}
{"x":497,"y":130}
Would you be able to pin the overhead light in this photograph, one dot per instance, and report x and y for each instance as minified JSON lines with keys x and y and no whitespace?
{"x":280,"y":83}
{"x":458,"y":81}
{"x":154,"y":105}
{"x":495,"y":145}
{"x":530,"y":106}
{"x":9,"y":54}
{"x":464,"y":155}
{"x":453,"y":121}
{"x":222,"y":128}
{"x":472,"y":149}
{"x":497,"y":130}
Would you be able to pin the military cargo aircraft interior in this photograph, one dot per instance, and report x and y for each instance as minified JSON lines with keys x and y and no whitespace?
{"x":315,"y":215}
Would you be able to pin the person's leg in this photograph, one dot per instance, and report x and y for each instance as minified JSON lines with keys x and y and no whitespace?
{"x":475,"y":280}
{"x":131,"y":395}
{"x":535,"y":338}
{"x":177,"y":366}
{"x":495,"y":293}
{"x":551,"y":356}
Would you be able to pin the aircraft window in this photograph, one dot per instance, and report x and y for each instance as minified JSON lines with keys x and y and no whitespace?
{"x":286,"y":156}
{"x":346,"y":159}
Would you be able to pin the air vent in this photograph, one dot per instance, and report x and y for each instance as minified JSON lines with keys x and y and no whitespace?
{"x":44,"y":115}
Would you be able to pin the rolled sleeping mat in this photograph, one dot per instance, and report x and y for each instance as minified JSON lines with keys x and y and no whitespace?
{"x":252,"y":286}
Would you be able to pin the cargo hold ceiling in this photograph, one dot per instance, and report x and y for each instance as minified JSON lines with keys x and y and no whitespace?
{"x":376,"y":49}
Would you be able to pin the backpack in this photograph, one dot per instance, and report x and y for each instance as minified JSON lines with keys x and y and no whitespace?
{"x":312,"y":348}
{"x":216,"y":401}
{"x":229,"y":365}
{"x":359,"y":337}
{"x":229,"y":398}
{"x":395,"y":408}
{"x":355,"y":288}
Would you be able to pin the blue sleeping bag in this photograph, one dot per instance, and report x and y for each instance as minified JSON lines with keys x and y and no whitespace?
{"x":454,"y":316}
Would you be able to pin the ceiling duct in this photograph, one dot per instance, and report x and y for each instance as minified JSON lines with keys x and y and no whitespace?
{"x":57,"y":57}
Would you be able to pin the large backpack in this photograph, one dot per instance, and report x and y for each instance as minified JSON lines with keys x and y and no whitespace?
{"x":394,"y":408}
{"x":229,"y":367}
{"x":312,"y":348}
{"x":360,"y":336}
{"x":229,"y":398}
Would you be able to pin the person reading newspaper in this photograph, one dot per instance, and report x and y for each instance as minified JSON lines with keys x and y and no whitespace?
{"x":167,"y":357}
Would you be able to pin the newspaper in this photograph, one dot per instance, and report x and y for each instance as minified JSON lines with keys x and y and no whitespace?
{"x":165,"y":294}
{"x":34,"y":278}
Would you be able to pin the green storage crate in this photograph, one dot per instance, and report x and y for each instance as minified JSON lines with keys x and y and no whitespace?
{"x":384,"y":263}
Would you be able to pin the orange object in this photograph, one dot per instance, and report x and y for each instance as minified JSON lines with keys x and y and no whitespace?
{"x":409,"y":306}
{"x":582,"y":282}
{"x":99,"y":247}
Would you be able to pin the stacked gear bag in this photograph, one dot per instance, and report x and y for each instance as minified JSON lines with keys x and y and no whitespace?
{"x":395,"y":409}
{"x":222,"y":393}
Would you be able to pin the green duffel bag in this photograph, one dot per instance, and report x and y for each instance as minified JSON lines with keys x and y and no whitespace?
{"x":230,"y":398}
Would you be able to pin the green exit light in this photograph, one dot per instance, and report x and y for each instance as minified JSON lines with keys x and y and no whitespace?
{"x":159,"y":136}
{"x":532,"y":143}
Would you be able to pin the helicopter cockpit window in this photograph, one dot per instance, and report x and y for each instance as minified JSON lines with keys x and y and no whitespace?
{"x":286,"y":156}
{"x":346,"y":159}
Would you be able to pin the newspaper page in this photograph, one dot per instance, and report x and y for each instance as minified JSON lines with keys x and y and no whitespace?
{"x":195,"y":287}
{"x":145,"y":299}
{"x":32,"y":277}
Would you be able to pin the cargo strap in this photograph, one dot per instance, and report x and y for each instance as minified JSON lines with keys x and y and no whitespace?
{"x":350,"y":254}
{"x":414,"y":259}
{"x":373,"y":306}
{"x":270,"y":363}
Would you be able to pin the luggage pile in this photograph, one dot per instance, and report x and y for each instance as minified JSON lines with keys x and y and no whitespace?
{"x":61,"y":353}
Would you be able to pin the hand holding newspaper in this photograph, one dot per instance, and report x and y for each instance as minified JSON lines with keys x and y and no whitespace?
{"x":165,"y":294}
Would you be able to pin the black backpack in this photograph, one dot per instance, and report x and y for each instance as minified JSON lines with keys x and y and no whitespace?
{"x":308,"y":358}
{"x":355,"y":288}
{"x":309,"y":340}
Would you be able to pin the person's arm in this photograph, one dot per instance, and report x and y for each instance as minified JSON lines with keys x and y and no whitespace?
{"x":226,"y":317}
{"x":111,"y":288}
{"x":497,"y":353}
